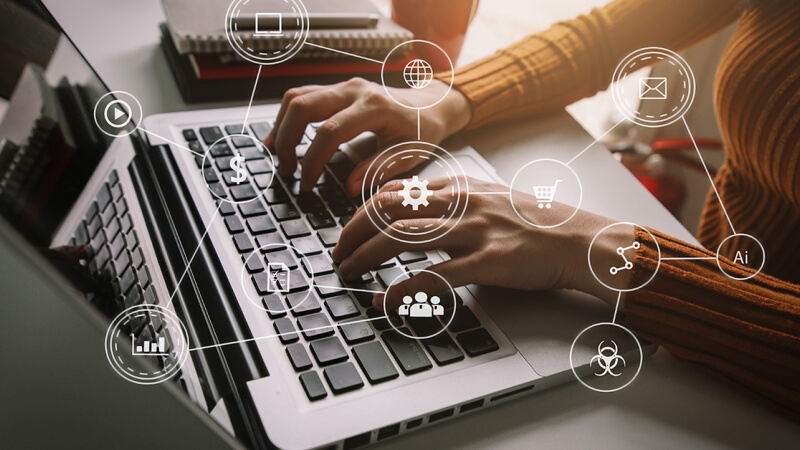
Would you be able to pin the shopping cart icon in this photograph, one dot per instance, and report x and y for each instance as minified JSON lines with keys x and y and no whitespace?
{"x":544,"y":194}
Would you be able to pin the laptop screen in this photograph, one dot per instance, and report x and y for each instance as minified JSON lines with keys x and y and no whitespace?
{"x":49,"y":143}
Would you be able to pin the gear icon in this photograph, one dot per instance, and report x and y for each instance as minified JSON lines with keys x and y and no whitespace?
{"x":415,"y":184}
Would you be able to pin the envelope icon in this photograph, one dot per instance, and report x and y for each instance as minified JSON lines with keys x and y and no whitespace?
{"x":652,"y":88}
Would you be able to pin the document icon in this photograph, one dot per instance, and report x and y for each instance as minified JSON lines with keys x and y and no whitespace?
{"x":652,"y":88}
{"x":278,"y":280}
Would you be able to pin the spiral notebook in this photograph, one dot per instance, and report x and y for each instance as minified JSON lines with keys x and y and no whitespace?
{"x":197,"y":26}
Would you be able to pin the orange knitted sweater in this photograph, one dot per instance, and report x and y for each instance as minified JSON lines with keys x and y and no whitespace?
{"x":747,"y":330}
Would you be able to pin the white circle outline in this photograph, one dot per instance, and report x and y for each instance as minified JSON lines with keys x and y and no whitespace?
{"x":460,"y":169}
{"x":165,"y":314}
{"x":122,"y":133}
{"x":618,"y":71}
{"x":641,"y":357}
{"x":383,"y":77}
{"x":267,"y":156}
{"x":763,"y":257}
{"x":127,"y":108}
{"x":414,"y":272}
{"x":298,"y":45}
{"x":511,"y":193}
{"x":242,"y":276}
{"x":589,"y":256}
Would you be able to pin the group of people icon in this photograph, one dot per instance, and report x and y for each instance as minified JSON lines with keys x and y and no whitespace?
{"x":421,"y":308}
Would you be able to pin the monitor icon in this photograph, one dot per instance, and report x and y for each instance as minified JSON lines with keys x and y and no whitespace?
{"x":269,"y":24}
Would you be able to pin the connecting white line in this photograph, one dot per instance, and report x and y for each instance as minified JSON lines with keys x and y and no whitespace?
{"x":349,"y":289}
{"x":616,"y":308}
{"x":679,"y":258}
{"x":287,"y":334}
{"x":595,"y":141}
{"x":488,"y":193}
{"x":250,"y":105}
{"x":710,"y":179}
{"x":344,"y":53}
{"x":189,"y":264}
{"x":419,"y":125}
{"x":172,"y":142}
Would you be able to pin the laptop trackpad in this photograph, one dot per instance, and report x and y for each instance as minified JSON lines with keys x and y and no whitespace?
{"x":542,"y":325}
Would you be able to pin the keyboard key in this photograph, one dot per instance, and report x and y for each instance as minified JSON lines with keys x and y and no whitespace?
{"x":313,"y":386}
{"x":126,"y":281}
{"x":315,"y":326}
{"x":381,"y":321}
{"x":254,"y":264}
{"x":210,"y":134}
{"x":321,"y":219}
{"x":356,"y":332}
{"x":411,"y":257}
{"x":328,"y":285}
{"x":407,"y":352}
{"x":189,"y":135}
{"x":286,"y":331}
{"x":261,"y":130}
{"x":261,"y":281}
{"x":134,"y":297}
{"x":242,"y":142}
{"x":243,"y":192}
{"x":329,"y":237}
{"x":443,"y":350}
{"x":283,"y":256}
{"x":341,"y":307}
{"x":126,"y":223}
{"x":143,"y":275}
{"x":223,"y":163}
{"x":477,"y":342}
{"x":343,"y":378}
{"x":306,"y":246}
{"x":392,"y":275}
{"x":342,"y":209}
{"x":258,"y":166}
{"x":262,"y":180}
{"x":234,"y":225}
{"x":297,"y":281}
{"x":243,"y":243}
{"x":156,"y":321}
{"x":464,"y":319}
{"x":299,"y":357}
{"x":309,"y":202}
{"x":285,"y":211}
{"x":294,"y":229}
{"x":424,"y":326}
{"x":122,"y":263}
{"x":234,"y":129}
{"x":276,"y":195}
{"x":328,"y":351}
{"x":217,"y":190}
{"x":254,"y":208}
{"x":113,"y":177}
{"x":226,"y":208}
{"x":261,"y":224}
{"x":220,"y":149}
{"x":210,"y":175}
{"x":108,"y":215}
{"x":317,"y":265}
{"x":92,"y":211}
{"x":416,"y":267}
{"x":365,"y":298}
{"x":116,"y":192}
{"x":103,"y":197}
{"x":100,"y":259}
{"x":113,"y":228}
{"x":303,"y":303}
{"x":137,"y":258}
{"x":94,"y":226}
{"x":150,"y":296}
{"x":375,"y":362}
{"x":274,"y":306}
{"x":251,"y":152}
{"x":116,"y":246}
{"x":98,"y":242}
{"x":273,"y":240}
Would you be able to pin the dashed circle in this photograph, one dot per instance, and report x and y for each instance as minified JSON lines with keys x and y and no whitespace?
{"x":674,"y":95}
{"x":414,"y":307}
{"x":159,"y":344}
{"x":741,"y":257}
{"x":624,"y":260}
{"x":238,"y":175}
{"x":415,"y":192}
{"x":267,"y":37}
{"x":603,"y":364}
{"x":540,"y":184}
{"x":416,"y":64}
{"x":118,"y":114}
{"x":272,"y":274}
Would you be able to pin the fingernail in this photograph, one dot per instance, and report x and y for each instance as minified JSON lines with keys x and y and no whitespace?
{"x":336,"y":254}
{"x":344,"y":269}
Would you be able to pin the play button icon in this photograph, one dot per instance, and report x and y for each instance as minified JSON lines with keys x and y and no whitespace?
{"x":117,"y":113}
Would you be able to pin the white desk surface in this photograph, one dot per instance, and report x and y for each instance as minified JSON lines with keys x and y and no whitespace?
{"x":671,"y":404}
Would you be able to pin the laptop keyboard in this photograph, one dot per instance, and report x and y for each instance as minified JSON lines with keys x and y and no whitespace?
{"x":319,"y":341}
{"x":117,"y":258}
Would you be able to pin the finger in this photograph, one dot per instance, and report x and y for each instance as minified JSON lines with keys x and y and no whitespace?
{"x":381,"y":247}
{"x":269,"y":141}
{"x":388,"y":202}
{"x":338,"y":129}
{"x":355,"y":181}
{"x":310,"y":107}
{"x":457,"y":272}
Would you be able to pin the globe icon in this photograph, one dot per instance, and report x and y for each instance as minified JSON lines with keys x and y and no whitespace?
{"x":418,"y":74}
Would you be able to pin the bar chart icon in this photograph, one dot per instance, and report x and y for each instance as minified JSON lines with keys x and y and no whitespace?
{"x":149,"y":348}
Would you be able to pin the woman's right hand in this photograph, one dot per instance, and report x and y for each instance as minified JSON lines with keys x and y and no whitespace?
{"x":353,"y":107}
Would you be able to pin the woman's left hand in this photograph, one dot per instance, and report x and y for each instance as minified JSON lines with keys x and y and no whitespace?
{"x":491,"y":245}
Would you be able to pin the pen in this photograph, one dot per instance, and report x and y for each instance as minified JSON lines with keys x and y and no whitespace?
{"x":271,"y":23}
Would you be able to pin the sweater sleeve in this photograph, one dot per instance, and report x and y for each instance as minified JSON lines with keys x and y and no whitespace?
{"x":747,"y":330}
{"x":575,"y":59}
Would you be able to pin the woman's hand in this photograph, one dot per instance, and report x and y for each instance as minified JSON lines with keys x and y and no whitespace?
{"x":491,"y":245}
{"x":353,"y":107}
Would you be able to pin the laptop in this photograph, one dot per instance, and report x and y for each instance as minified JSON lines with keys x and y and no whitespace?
{"x":307,"y":366}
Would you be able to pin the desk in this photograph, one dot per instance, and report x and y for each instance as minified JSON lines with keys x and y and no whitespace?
{"x":671,"y":405}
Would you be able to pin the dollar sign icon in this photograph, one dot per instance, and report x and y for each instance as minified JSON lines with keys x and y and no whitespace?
{"x":236,"y":164}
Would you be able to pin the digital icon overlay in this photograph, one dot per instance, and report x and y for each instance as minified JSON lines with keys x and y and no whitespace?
{"x":607,"y":358}
{"x":418,"y":74}
{"x":415,"y":193}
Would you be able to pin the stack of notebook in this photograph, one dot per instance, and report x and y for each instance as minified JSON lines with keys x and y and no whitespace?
{"x":208,"y":70}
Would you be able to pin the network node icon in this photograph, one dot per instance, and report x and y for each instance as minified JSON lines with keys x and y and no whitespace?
{"x":628,"y":264}
{"x":418,"y":74}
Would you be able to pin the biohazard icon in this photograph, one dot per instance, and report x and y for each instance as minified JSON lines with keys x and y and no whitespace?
{"x":415,"y":192}
{"x":607,"y":358}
